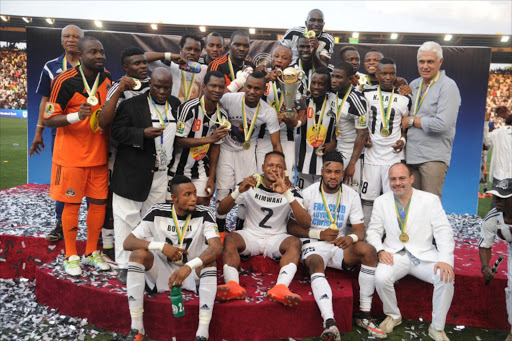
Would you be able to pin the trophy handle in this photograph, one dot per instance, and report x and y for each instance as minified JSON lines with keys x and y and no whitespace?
{"x":302,"y":74}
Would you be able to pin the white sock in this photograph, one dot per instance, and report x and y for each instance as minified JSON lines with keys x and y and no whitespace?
{"x":286,"y":274}
{"x":230,"y":274}
{"x":323,"y":295}
{"x":207,"y":292}
{"x":135,"y":283}
{"x":108,"y":238}
{"x":366,"y":287}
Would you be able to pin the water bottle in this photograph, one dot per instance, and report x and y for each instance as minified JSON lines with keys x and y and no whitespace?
{"x":191,"y":67}
{"x":178,"y":309}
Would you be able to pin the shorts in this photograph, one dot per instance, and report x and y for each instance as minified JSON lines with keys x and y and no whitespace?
{"x":330,"y":253}
{"x":375,"y":180}
{"x":71,"y":184}
{"x":199,"y":183}
{"x":233,"y":167}
{"x":267,"y":246}
{"x":306,"y":180}
{"x":157,"y":278}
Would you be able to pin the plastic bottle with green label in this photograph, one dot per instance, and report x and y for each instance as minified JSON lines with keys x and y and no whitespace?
{"x":178,"y":309}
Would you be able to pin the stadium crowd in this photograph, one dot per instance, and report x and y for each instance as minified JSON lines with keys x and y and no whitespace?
{"x":13,"y":75}
{"x":217,"y":123}
{"x":499,"y":93}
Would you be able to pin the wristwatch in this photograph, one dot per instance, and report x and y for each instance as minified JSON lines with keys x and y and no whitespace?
{"x":411,"y":122}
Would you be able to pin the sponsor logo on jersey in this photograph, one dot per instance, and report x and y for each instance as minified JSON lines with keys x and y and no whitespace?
{"x":180,"y":128}
{"x":70,"y":192}
{"x":50,"y":108}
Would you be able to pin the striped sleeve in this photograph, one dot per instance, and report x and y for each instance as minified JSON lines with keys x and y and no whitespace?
{"x":60,"y":95}
{"x":185,"y":118}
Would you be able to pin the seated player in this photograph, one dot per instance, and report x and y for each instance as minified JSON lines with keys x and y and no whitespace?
{"x":331,"y":205}
{"x":269,"y":204}
{"x":199,"y":135}
{"x":176,"y":256}
{"x":387,"y":138}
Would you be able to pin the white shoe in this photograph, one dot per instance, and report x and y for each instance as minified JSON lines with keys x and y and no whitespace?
{"x":437,"y":335}
{"x":72,"y":266}
{"x":389,"y":324}
{"x":95,"y":259}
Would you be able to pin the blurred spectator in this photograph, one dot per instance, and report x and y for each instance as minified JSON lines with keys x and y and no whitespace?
{"x":499,"y":93}
{"x":13,"y":75}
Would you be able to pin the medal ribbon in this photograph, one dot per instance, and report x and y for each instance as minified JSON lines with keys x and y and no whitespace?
{"x":320,"y":119}
{"x":201,"y":102}
{"x":90,"y":92}
{"x":163,"y":121}
{"x":278,"y":101}
{"x":338,"y":112}
{"x":230,"y":65}
{"x":310,"y":73}
{"x":326,"y":206}
{"x":180,"y":231}
{"x":187,"y":91}
{"x":419,"y":102}
{"x":65,"y":63}
{"x":385,"y":115}
{"x":402,"y":218}
{"x":248,"y":131}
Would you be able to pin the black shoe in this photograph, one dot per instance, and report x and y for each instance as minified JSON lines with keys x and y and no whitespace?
{"x":56,"y":234}
{"x":201,"y":338}
{"x":135,"y":336}
{"x":121,"y":276}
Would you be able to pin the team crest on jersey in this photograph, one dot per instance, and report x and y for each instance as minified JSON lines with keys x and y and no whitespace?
{"x":50,"y":108}
{"x":70,"y":192}
{"x":180,"y":128}
{"x":361,"y":122}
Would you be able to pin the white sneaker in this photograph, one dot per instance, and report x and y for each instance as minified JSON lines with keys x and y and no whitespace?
{"x":389,"y":324}
{"x":95,"y":259}
{"x":368,"y":324}
{"x":437,"y":335}
{"x":72,"y":266}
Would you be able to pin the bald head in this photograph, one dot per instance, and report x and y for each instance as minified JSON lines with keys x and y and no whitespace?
{"x":69,"y":37}
{"x":315,"y":21}
{"x":160,"y":86}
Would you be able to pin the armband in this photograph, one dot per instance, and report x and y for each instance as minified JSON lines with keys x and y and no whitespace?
{"x":354,"y":237}
{"x":195,"y":263}
{"x":73,"y":118}
{"x":314,"y":234}
{"x":167,"y":56}
{"x":289,"y":196}
{"x":235,"y":194}
{"x":156,"y":246}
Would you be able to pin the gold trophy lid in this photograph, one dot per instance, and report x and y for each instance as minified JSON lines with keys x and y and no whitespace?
{"x":290,"y":75}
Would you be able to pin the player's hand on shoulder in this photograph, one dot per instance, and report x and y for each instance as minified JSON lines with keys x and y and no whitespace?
{"x":446,"y":271}
{"x":84,"y":111}
{"x":179,"y":276}
{"x":487,"y":272}
{"x":173,"y":253}
{"x":126,"y":83}
{"x":385,"y":257}
{"x":398,"y":146}
{"x":404,"y":90}
{"x":329,"y":235}
{"x":354,"y":80}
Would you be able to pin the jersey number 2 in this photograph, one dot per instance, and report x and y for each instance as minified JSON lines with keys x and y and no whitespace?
{"x":263,"y":221}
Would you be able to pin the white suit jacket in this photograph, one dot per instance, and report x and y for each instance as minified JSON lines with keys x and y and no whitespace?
{"x":426,"y":220}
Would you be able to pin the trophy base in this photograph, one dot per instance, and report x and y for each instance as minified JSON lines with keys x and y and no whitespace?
{"x":289,"y":113}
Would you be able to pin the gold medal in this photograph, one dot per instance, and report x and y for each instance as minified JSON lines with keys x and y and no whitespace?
{"x":384,"y":132}
{"x":337,"y":132}
{"x":310,"y":34}
{"x":246,"y":145}
{"x":320,"y":151}
{"x":92,"y":100}
{"x":404,"y":237}
{"x":333,"y":226}
{"x":180,"y":260}
{"x":137,"y":85}
{"x":226,"y":123}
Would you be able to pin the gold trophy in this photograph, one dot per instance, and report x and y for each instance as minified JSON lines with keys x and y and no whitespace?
{"x":290,"y":80}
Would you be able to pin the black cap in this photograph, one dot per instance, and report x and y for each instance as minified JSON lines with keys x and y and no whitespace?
{"x":502,"y":189}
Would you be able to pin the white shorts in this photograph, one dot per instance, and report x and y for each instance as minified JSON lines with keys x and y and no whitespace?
{"x":266,"y":246}
{"x":158,"y":276}
{"x":375,"y":180}
{"x":357,"y":179}
{"x":199,"y":183}
{"x":233,"y":167}
{"x":306,"y":180}
{"x":330,"y":253}
{"x":265,"y":145}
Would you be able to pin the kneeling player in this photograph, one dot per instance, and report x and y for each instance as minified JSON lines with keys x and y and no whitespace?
{"x":178,"y":231}
{"x":331,"y":204}
{"x":268,"y":203}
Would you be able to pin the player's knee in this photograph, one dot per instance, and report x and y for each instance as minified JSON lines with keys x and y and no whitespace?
{"x":315,"y":263}
{"x":140,"y":256}
{"x":366,"y":251}
{"x":230,"y":243}
{"x":293,"y":245}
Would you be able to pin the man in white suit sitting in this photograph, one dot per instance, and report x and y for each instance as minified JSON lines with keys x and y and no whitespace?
{"x":411,"y":219}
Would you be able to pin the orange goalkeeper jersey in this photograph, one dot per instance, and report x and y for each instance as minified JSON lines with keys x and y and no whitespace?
{"x":78,"y":144}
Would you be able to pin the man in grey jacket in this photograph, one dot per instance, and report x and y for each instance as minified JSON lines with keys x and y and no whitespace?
{"x":436,"y":100}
